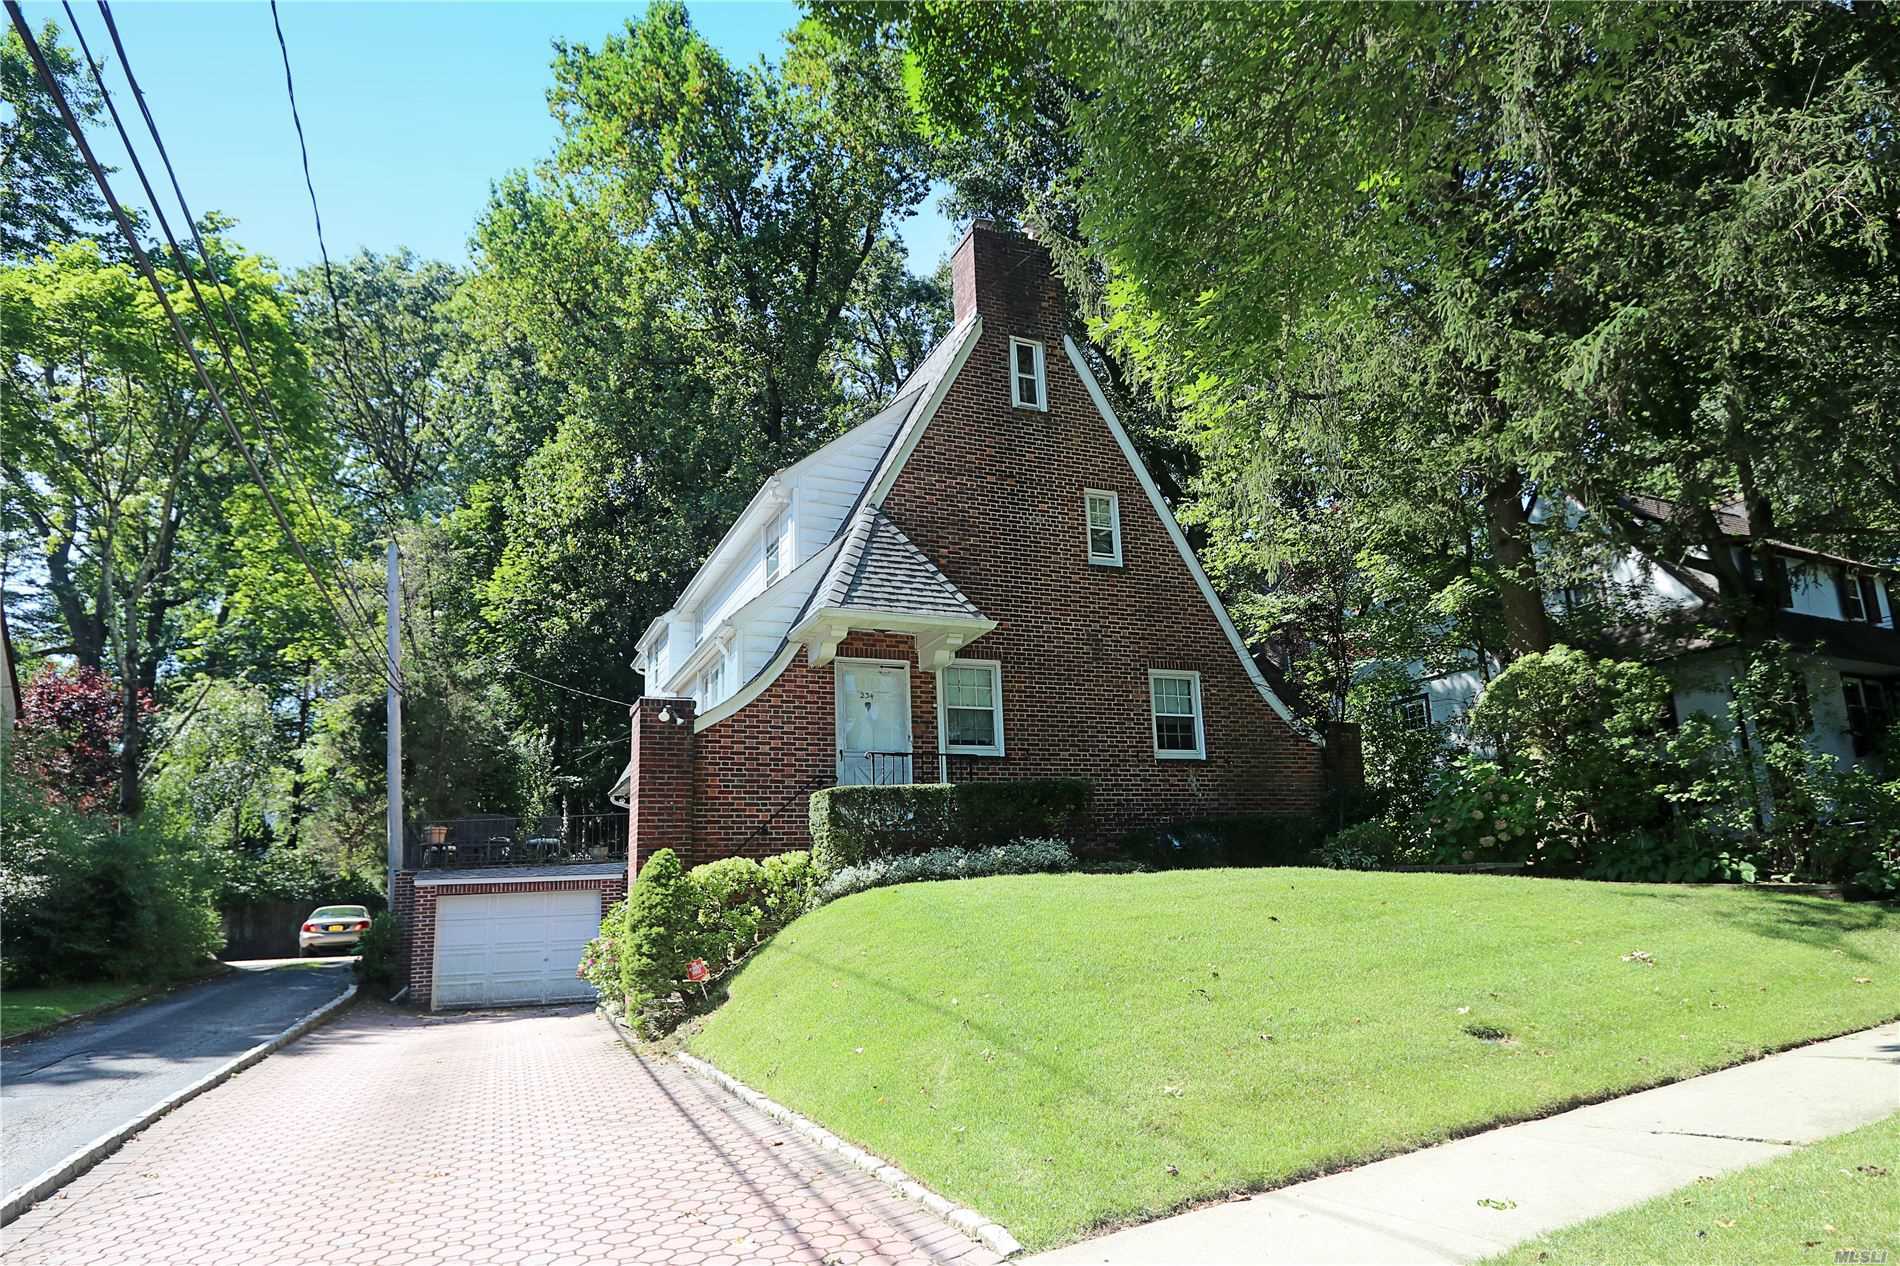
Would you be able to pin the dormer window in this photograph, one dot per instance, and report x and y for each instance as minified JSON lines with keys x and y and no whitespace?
{"x":1028,"y":387}
{"x":1860,"y":597}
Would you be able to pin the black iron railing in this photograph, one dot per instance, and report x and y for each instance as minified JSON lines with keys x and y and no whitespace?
{"x":497,"y":840}
{"x":874,"y":769}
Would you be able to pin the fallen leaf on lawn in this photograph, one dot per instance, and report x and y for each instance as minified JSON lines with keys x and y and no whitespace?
{"x":1872,"y":1171}
{"x":1863,"y":980}
{"x":857,"y":1050}
{"x":1831,"y":1229}
{"x":1464,"y":1010}
{"x":1171,"y":1090}
{"x":1725,"y":1223}
{"x":1173,"y":1171}
{"x":1266,"y":1037}
{"x":1640,"y":956}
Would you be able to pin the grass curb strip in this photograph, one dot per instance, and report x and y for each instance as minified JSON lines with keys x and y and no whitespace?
{"x":31,"y":1192}
{"x":147,"y":994}
{"x":968,"y":1221}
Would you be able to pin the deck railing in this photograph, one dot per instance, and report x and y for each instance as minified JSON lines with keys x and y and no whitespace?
{"x":502,"y":840}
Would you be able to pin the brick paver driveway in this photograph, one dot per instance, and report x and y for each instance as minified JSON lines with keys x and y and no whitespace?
{"x":499,"y":1137}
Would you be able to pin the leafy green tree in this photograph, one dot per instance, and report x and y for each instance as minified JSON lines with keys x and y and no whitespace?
{"x":381,"y":355}
{"x":1615,"y":250}
{"x":701,"y":285}
{"x":47,"y":197}
{"x":116,"y":463}
{"x":216,"y":762}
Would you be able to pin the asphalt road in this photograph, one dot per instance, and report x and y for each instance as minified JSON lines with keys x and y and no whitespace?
{"x":62,"y":1091}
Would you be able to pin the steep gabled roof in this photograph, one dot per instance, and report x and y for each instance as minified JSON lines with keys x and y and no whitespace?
{"x":880,"y":570}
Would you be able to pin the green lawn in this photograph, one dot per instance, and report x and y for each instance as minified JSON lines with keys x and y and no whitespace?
{"x":1068,"y":1052}
{"x":1841,"y":1195}
{"x":24,"y":1010}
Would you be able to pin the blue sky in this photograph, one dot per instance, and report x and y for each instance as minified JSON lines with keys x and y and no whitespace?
{"x":411,"y":110}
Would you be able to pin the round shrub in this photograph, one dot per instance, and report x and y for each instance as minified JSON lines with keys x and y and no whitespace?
{"x":660,"y":920}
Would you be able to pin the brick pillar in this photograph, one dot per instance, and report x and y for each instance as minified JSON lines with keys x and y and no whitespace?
{"x":403,"y":906}
{"x":660,"y":796}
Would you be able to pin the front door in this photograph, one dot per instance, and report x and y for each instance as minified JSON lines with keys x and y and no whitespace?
{"x":873,"y":722}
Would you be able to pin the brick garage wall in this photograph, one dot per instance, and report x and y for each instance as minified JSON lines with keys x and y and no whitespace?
{"x":753,"y":772}
{"x":422,"y":923}
{"x":994,"y":495}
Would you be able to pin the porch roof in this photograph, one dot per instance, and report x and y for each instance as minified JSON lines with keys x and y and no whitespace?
{"x":881,"y":580}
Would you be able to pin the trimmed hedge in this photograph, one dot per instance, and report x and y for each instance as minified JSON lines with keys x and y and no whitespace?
{"x":718,"y":912}
{"x":852,"y":824}
{"x":1256,"y":839}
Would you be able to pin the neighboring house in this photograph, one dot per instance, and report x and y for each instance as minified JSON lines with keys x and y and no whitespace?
{"x":978,"y":581}
{"x":1838,"y":609}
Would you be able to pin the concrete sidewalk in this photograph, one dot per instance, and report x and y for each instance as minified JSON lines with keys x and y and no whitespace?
{"x":1426,"y":1206}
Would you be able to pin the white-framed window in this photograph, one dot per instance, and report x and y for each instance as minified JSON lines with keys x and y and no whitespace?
{"x":1415,"y":713}
{"x":1103,"y":510}
{"x":712,"y":682}
{"x":1028,"y":386}
{"x":970,"y":707}
{"x":1174,"y":698}
{"x":1860,"y":597}
{"x":775,"y":548}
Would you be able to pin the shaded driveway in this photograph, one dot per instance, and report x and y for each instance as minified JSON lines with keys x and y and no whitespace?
{"x":526,"y":1136}
{"x":61,"y":1091}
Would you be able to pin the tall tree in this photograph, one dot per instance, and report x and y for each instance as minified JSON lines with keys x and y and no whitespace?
{"x":1518,"y":195}
{"x":46,"y":194}
{"x":380,"y":352}
{"x":701,"y":285}
{"x":115,"y":459}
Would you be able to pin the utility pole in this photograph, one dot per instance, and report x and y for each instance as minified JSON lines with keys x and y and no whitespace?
{"x":393,"y":755}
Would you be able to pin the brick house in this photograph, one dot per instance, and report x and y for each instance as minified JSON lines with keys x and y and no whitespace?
{"x":979,"y":581}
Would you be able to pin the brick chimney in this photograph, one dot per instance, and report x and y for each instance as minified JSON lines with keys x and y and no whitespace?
{"x":660,"y":797}
{"x":1008,"y":279}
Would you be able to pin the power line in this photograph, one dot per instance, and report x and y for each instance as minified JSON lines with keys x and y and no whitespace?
{"x":570,"y":689}
{"x":150,"y":274}
{"x":352,"y":596}
{"x":224,"y":349}
{"x":316,"y":213}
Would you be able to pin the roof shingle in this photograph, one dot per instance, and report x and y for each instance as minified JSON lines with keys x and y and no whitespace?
{"x":879,"y":569}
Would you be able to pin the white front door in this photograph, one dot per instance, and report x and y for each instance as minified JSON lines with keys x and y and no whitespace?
{"x":873,"y":722}
{"x":512,"y":947}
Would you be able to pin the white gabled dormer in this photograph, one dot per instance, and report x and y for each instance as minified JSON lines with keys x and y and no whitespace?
{"x":733,"y":615}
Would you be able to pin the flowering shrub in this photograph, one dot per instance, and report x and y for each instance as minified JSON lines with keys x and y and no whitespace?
{"x":719,"y":912}
{"x":1024,"y":857}
{"x":1480,"y":813}
{"x":600,"y":960}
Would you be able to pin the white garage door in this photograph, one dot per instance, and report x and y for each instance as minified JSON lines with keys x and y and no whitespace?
{"x":504,"y":947}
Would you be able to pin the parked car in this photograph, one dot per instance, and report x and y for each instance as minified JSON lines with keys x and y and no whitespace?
{"x":332,"y":927}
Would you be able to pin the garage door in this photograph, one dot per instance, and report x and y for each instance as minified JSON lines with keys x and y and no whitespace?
{"x":511,"y":947}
